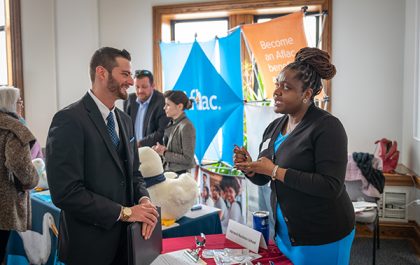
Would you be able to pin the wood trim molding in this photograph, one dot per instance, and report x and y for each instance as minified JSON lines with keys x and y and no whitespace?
{"x":14,"y":44}
{"x":234,"y":7}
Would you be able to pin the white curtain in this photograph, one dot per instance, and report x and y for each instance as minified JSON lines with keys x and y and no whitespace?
{"x":257,"y":119}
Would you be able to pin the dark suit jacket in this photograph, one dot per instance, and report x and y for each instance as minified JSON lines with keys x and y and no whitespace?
{"x":89,"y":182}
{"x":155,"y":120}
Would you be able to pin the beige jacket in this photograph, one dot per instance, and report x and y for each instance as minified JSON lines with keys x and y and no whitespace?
{"x":17,"y":174}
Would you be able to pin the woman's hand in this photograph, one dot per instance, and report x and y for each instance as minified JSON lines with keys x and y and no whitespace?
{"x":241,"y":155}
{"x":261,"y":166}
{"x":160,"y":149}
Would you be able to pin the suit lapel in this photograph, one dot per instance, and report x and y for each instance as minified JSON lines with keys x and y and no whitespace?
{"x":174,"y":132}
{"x":98,"y":121}
{"x":124,"y":141}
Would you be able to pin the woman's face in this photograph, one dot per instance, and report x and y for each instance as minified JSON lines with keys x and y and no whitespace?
{"x":172,"y":110}
{"x":230,"y":194}
{"x":288,"y":95}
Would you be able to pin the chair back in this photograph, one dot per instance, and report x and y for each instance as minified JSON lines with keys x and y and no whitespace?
{"x":354,"y":190}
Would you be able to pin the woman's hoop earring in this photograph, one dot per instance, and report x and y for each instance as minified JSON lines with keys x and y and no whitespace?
{"x":305,"y":100}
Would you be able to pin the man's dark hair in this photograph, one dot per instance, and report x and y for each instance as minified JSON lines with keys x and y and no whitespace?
{"x":144,"y":73}
{"x":106,"y":57}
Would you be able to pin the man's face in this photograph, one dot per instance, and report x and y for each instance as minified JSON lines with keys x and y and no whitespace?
{"x":143,"y":88}
{"x":120,"y":79}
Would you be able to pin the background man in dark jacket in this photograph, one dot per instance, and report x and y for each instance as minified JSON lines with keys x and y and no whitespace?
{"x":145,"y":107}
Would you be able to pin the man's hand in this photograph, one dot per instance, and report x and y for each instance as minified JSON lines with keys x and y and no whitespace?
{"x":146,"y":213}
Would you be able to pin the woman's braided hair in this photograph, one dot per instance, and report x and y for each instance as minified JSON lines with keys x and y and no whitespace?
{"x":312,"y":65}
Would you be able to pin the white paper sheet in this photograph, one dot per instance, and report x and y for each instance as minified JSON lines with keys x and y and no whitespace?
{"x":176,"y":258}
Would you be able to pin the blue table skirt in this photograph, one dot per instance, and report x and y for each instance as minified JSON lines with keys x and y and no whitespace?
{"x":15,"y":251}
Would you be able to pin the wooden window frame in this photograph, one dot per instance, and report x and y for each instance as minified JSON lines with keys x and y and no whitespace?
{"x":14,"y":45}
{"x":234,"y":9}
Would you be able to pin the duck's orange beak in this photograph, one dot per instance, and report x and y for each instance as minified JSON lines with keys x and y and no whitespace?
{"x":54,"y":230}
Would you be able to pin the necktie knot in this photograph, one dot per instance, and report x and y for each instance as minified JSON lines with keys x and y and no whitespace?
{"x":111,"y":129}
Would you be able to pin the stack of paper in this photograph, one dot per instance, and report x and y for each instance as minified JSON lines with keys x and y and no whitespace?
{"x":361,"y":206}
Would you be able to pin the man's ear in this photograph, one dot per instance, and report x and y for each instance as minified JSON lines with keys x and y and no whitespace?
{"x":101,"y":73}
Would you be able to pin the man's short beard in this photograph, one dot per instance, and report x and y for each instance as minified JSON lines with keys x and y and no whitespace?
{"x":114,"y":88}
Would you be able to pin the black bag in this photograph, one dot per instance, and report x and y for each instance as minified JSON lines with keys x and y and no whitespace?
{"x":141,"y":251}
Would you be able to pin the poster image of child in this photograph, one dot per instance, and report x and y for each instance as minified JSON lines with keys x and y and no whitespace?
{"x":205,"y":196}
{"x":232,"y":188}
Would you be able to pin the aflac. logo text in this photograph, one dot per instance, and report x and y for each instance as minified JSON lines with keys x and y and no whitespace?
{"x":203,"y":102}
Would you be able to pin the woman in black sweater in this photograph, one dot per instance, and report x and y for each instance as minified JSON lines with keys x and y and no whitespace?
{"x":304,"y":155}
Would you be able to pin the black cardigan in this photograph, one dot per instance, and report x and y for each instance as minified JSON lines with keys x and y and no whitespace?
{"x":313,"y":198}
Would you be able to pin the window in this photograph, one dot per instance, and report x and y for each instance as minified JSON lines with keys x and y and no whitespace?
{"x":3,"y":53}
{"x":311,"y":24}
{"x":417,"y":77}
{"x":11,"y":45}
{"x":203,"y":29}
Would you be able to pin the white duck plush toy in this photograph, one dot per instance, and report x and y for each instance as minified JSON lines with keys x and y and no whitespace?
{"x":174,"y":194}
{"x":39,"y":165}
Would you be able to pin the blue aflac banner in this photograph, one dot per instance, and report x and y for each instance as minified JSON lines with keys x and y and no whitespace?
{"x":218,"y":96}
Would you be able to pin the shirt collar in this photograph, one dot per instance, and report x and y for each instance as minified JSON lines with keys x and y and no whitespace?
{"x":101,"y":106}
{"x":147,"y":101}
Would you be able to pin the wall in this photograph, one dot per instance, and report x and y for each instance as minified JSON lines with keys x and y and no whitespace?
{"x":411,"y":147}
{"x":39,"y":64}
{"x":368,"y":47}
{"x":60,"y":36}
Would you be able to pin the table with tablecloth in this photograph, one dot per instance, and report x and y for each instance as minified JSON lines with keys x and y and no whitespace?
{"x":220,"y":242}
{"x":41,"y":204}
{"x":205,"y":220}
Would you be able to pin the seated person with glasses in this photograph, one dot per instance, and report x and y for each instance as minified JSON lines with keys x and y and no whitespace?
{"x":145,"y":107}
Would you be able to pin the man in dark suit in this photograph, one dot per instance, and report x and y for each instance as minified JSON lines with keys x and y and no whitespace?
{"x":92,"y":167}
{"x":145,"y":108}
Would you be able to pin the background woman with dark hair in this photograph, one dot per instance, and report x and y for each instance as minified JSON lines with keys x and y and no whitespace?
{"x":179,"y":137}
{"x":17,"y":174}
{"x":304,"y":155}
